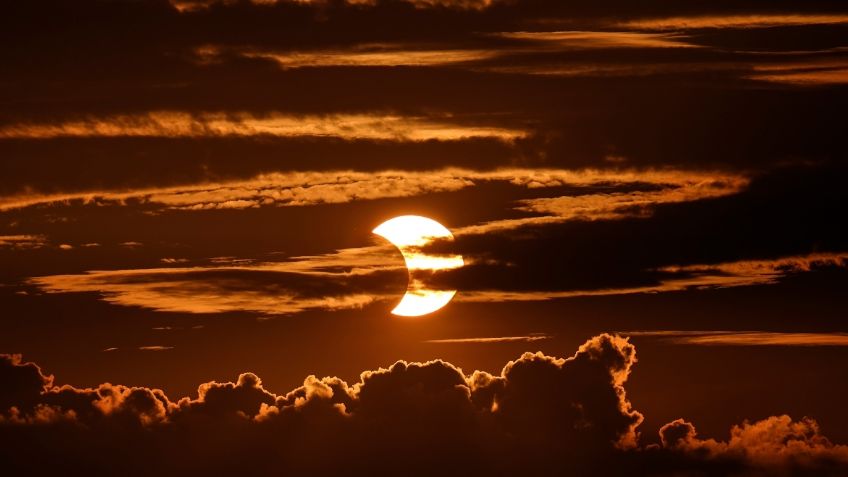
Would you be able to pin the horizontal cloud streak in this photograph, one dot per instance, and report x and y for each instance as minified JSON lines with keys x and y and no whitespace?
{"x":365,"y":55}
{"x":357,"y":277}
{"x":811,"y":72}
{"x":599,"y":39}
{"x":762,"y":20}
{"x":22,"y":241}
{"x":497,"y":339}
{"x":744,"y":338}
{"x":681,"y":278}
{"x":310,"y":188}
{"x":183,"y":124}
{"x":270,"y":289}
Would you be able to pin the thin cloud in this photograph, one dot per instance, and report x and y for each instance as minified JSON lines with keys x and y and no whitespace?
{"x":364,"y":55}
{"x":333,"y":187}
{"x":347,"y":279}
{"x":190,"y":6}
{"x":232,"y":123}
{"x":600,"y":39}
{"x":22,"y":241}
{"x":733,"y":21}
{"x":688,"y":277}
{"x":498,"y":339}
{"x":155,"y":348}
{"x":352,"y":278}
{"x":621,"y":204}
{"x":804,"y":73}
{"x":401,"y":54}
{"x":618,"y":69}
{"x":743,"y":338}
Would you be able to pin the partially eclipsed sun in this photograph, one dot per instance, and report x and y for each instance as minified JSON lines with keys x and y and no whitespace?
{"x":409,"y":233}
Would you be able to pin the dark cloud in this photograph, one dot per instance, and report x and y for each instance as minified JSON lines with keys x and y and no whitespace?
{"x":583,"y":106}
{"x":80,"y":164}
{"x":791,"y":210}
{"x":776,"y":445}
{"x":23,"y":383}
{"x":542,"y":414}
{"x":740,"y":87}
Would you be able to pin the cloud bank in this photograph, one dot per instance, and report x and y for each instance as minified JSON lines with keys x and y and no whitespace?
{"x":540,"y":414}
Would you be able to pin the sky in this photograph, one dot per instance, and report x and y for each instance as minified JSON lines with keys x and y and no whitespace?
{"x":648,"y":199}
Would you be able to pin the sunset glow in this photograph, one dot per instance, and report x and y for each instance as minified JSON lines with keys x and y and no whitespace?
{"x":423,"y":237}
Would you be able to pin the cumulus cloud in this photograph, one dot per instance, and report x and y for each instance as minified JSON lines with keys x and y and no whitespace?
{"x":777,"y":444}
{"x":572,"y":405}
{"x":540,"y":414}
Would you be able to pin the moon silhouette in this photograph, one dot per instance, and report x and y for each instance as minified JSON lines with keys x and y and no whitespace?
{"x":409,"y":233}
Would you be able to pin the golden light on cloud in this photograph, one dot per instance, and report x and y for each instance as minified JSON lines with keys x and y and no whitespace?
{"x":373,"y":126}
{"x":735,"y":21}
{"x":368,"y":55}
{"x":601,"y":39}
{"x":744,"y":338}
{"x":804,"y":73}
{"x":409,"y":233}
{"x":302,"y":188}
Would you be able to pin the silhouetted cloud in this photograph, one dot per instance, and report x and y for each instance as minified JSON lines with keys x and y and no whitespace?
{"x":777,"y":445}
{"x":668,"y":160}
{"x":539,"y":413}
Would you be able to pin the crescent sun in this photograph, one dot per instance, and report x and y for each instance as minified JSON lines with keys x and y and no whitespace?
{"x":409,"y":233}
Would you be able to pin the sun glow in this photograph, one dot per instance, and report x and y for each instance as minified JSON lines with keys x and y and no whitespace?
{"x":409,"y":233}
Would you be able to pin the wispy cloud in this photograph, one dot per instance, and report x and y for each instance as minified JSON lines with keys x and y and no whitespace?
{"x":155,"y":348}
{"x":350,"y":278}
{"x":600,"y":39}
{"x":617,"y":204}
{"x":364,"y":55}
{"x":744,"y":338}
{"x":188,"y":6}
{"x":22,"y":241}
{"x":183,"y":124}
{"x":800,"y":73}
{"x":325,"y":187}
{"x":688,"y":277}
{"x":733,"y":21}
{"x":357,"y":277}
{"x":498,"y":339}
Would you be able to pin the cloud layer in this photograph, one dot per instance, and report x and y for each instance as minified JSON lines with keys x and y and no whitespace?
{"x":542,"y":414}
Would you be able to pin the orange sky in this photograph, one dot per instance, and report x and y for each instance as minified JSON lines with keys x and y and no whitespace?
{"x":647,"y":199}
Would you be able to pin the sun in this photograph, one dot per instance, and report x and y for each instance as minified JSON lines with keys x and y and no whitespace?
{"x":409,"y":233}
